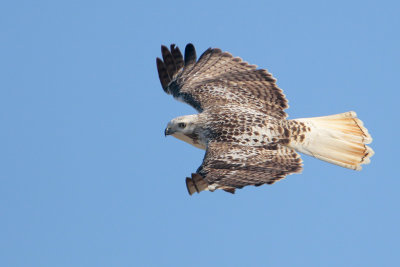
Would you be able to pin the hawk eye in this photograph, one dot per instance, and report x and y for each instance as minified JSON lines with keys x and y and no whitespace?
{"x":181,"y":125}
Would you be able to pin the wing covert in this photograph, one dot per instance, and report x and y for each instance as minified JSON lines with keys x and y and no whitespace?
{"x":218,"y":78}
{"x":227,"y":166}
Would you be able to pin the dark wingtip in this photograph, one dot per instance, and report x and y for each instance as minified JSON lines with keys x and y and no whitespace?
{"x":177,"y":55}
{"x":199,"y":182}
{"x":190,"y":54}
{"x":190,"y":186}
{"x":168,"y":61}
{"x":196,"y":184}
{"x":163,"y":74}
{"x":230,"y":190}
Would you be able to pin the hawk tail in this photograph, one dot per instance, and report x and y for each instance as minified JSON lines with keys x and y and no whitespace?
{"x":339,"y":139}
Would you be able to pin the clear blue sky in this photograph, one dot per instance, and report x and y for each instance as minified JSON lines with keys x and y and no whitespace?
{"x":87,"y":177}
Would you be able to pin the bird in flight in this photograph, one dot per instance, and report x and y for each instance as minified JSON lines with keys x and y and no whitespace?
{"x":242,"y":124}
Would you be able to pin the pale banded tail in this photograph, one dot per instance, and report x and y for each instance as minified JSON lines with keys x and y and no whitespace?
{"x":339,"y":139}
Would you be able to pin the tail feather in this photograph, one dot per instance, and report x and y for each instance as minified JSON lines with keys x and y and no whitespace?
{"x":339,"y":139}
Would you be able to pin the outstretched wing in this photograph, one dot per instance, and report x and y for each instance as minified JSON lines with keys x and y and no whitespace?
{"x":218,"y":78}
{"x":227,"y":166}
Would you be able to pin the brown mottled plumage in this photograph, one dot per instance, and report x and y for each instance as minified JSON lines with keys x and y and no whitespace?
{"x":242,"y":124}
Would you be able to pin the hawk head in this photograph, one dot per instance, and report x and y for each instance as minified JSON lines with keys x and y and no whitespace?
{"x":188,"y":129}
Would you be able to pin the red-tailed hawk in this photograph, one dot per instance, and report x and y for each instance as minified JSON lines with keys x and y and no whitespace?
{"x":242,"y":124}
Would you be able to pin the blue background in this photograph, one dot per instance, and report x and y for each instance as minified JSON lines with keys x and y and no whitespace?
{"x":87,"y":177}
